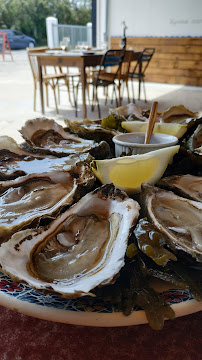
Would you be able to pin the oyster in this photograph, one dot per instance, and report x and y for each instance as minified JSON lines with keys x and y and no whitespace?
{"x":14,"y":166}
{"x":199,"y":150}
{"x":178,"y":114}
{"x":81,"y":249}
{"x":197,"y":137}
{"x":185,"y":185}
{"x":129,"y":112}
{"x":178,"y":218}
{"x":48,"y":137}
{"x":92,"y":130}
{"x":9,"y":147}
{"x":26,"y":199}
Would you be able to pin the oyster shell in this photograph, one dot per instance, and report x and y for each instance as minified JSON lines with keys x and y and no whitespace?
{"x":26,"y":199}
{"x":197,"y":137}
{"x":48,"y":137}
{"x":178,"y":114}
{"x":92,"y":130}
{"x":131,"y":111}
{"x":185,"y":185}
{"x":199,"y":150}
{"x":12,"y":167}
{"x":9,"y":148}
{"x":83,"y":248}
{"x":178,"y":218}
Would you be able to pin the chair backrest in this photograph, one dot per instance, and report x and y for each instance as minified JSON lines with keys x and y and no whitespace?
{"x":125,"y":68}
{"x":112,"y":58}
{"x":144,"y":59}
{"x":33,"y":60}
{"x":34,"y":64}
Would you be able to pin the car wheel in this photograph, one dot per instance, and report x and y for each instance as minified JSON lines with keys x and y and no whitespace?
{"x":31,"y":45}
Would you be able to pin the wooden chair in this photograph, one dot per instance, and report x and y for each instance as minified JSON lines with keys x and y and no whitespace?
{"x":104,"y":77}
{"x":49,"y":80}
{"x":123,"y":75}
{"x":140,"y":69}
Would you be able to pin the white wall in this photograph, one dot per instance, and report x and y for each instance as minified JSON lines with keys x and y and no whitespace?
{"x":155,"y":17}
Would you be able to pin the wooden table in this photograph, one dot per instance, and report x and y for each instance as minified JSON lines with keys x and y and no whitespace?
{"x":26,"y":338}
{"x":68,"y":59}
{"x":71,"y":59}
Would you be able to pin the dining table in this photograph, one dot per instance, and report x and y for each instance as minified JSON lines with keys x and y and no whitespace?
{"x":80,"y":60}
{"x":24,"y":337}
{"x":37,"y":326}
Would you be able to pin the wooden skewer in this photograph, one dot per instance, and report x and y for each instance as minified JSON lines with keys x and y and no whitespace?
{"x":150,"y":125}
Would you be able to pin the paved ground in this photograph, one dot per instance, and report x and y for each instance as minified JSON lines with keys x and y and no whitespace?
{"x":16,"y":99}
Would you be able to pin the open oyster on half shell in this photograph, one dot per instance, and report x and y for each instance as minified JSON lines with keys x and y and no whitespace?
{"x":178,"y":114}
{"x":28,"y":198}
{"x":180,"y":219}
{"x":129,"y":112}
{"x":81,"y":249}
{"x":47,"y":137}
{"x":16,"y":162}
{"x":189,"y":186}
{"x":92,"y":130}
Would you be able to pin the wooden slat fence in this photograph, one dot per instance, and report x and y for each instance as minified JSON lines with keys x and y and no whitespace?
{"x":176,"y":60}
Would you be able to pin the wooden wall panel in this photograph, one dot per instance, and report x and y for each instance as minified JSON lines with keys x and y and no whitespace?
{"x":175,"y":61}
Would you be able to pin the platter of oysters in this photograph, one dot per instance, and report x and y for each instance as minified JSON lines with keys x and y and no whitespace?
{"x":77,"y":249}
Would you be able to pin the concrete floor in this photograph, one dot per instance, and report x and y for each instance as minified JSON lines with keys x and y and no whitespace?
{"x":16,"y":99}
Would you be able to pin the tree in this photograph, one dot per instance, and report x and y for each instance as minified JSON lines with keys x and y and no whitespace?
{"x":29,"y":16}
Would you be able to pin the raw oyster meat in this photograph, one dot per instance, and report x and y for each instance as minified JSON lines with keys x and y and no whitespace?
{"x":26,"y":199}
{"x":48,"y":137}
{"x":185,"y":185}
{"x":13,"y":165}
{"x":81,"y":249}
{"x":91,"y":130}
{"x":178,"y":218}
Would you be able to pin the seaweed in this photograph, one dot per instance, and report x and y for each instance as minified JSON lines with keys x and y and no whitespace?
{"x":112,"y":122}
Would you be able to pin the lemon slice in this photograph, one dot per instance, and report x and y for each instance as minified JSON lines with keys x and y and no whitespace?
{"x":129,"y":172}
{"x":174,"y":129}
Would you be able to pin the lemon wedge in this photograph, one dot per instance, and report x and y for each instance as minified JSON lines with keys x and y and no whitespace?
{"x":129,"y":172}
{"x":174,"y":129}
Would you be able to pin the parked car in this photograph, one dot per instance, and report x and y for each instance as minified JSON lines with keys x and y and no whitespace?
{"x":18,"y":40}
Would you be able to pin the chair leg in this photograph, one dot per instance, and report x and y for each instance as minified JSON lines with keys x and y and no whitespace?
{"x":93,"y":99}
{"x":119,"y":92}
{"x":133,"y":92}
{"x":34,"y":96}
{"x":98,"y":105}
{"x":46,"y":87}
{"x":58,"y":92}
{"x":144,"y":90}
{"x":68,"y":90}
{"x":88,"y":93}
{"x":114,"y":90}
{"x":113,"y":93}
{"x":106,"y":95}
{"x":128,"y":92}
{"x":139,"y":89}
{"x":56,"y":106}
{"x":76,"y":98}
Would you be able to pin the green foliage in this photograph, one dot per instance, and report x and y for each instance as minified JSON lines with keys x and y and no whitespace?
{"x":29,"y":16}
